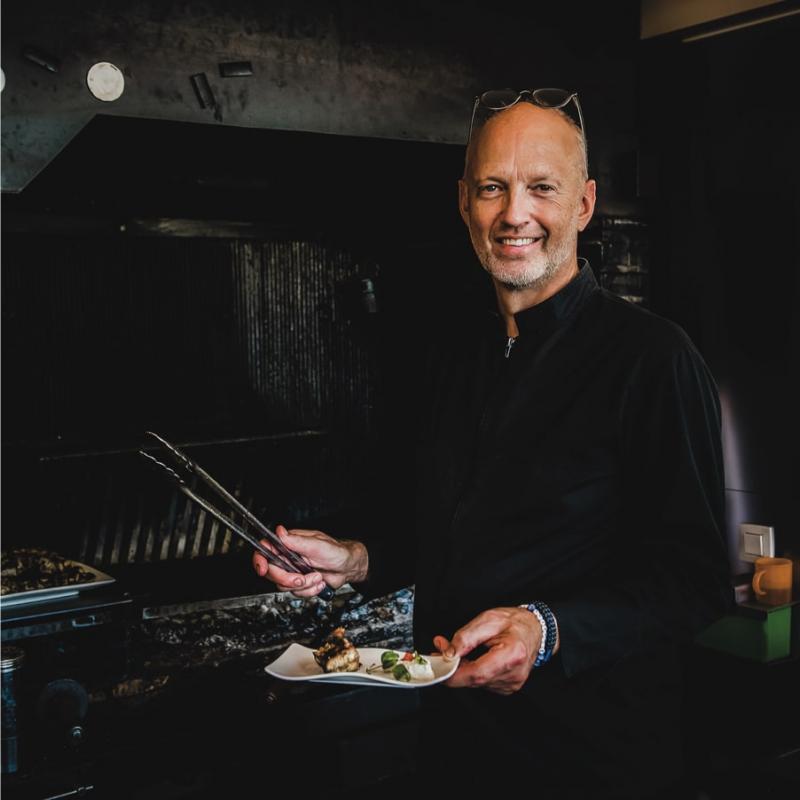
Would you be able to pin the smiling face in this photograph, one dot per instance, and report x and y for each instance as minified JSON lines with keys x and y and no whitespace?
{"x":524,"y":198}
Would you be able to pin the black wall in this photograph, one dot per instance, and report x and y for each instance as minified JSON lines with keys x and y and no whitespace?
{"x":719,"y":117}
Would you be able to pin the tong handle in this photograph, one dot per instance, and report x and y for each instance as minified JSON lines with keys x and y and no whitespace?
{"x":326,"y":593}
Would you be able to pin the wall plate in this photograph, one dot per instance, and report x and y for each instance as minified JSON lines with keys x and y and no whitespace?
{"x":756,"y":541}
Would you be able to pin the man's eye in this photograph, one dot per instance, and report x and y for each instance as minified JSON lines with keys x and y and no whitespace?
{"x":488,"y":188}
{"x":544,"y":187}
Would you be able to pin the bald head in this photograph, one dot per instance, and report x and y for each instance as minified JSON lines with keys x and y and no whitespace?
{"x":524,"y":197}
{"x":527,"y":119}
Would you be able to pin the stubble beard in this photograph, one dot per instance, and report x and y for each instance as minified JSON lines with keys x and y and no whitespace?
{"x":537,"y":272}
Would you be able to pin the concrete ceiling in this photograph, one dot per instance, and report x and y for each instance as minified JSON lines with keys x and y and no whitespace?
{"x":389,"y":70}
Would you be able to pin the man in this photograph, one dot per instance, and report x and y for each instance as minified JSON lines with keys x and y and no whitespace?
{"x":570,"y":498}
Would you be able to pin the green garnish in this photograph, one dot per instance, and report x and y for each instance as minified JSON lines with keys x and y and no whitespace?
{"x":389,"y":659}
{"x":418,"y":659}
{"x":401,"y":673}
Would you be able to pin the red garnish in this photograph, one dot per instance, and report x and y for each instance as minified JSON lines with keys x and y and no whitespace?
{"x":408,"y":657}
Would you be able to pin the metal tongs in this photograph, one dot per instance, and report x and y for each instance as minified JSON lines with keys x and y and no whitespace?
{"x":284,"y":558}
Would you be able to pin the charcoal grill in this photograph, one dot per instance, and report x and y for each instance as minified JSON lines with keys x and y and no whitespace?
{"x":114,"y":681}
{"x":159,"y":675}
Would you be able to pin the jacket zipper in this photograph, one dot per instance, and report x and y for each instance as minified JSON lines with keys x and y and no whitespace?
{"x":482,"y":423}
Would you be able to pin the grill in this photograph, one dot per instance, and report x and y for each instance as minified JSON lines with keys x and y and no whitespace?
{"x":271,"y":349}
{"x":114,"y":681}
{"x":109,"y":683}
{"x":115,"y":512}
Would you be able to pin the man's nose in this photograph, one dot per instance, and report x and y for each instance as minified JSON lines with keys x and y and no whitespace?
{"x":517,"y":208}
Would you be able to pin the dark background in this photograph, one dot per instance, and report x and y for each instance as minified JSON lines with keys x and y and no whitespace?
{"x":201,"y":273}
{"x":726,"y":211}
{"x":257,"y":281}
{"x":125,"y":309}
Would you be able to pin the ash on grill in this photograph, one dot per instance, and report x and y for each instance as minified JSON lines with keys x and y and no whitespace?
{"x":208,"y":634}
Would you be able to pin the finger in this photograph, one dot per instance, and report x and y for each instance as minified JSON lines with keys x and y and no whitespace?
{"x":490,"y":669}
{"x":283,"y":533}
{"x":295,"y":581}
{"x":311,"y":582}
{"x":313,"y":547}
{"x":442,"y":644}
{"x":281,"y":576}
{"x":310,"y":586}
{"x":297,"y":538}
{"x":313,"y":591}
{"x":260,"y":562}
{"x":457,"y":679}
{"x":477,"y":632}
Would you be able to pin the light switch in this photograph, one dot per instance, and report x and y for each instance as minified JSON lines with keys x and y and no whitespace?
{"x":755,"y":541}
{"x":753,"y":544}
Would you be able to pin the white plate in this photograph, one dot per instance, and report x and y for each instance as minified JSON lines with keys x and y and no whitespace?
{"x":57,"y":592}
{"x":297,"y":663}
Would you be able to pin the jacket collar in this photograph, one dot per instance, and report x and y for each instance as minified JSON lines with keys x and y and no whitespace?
{"x":548,"y":315}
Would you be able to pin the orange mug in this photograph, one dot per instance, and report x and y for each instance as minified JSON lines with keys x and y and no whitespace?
{"x":772,"y":581}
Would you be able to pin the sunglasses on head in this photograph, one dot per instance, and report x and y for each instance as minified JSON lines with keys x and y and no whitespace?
{"x":499,"y":99}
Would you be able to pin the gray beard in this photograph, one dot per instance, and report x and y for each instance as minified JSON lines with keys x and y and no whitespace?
{"x":516,"y":283}
{"x":530,"y":278}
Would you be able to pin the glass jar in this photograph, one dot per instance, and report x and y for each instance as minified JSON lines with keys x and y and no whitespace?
{"x":11,"y":661}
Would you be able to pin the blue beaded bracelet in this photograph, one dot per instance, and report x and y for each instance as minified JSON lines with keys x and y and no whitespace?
{"x":549,"y":630}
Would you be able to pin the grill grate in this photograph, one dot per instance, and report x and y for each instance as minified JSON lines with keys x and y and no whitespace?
{"x":108,"y":509}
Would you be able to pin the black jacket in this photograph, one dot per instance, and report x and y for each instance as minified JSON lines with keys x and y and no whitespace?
{"x":584,"y":470}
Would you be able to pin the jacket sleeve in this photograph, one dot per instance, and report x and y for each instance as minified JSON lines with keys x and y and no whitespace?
{"x":675,"y":577}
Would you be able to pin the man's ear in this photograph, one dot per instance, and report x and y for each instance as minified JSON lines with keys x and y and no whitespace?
{"x":463,"y":200}
{"x":587,"y":204}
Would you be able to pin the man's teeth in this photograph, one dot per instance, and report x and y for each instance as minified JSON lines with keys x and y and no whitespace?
{"x":518,"y":242}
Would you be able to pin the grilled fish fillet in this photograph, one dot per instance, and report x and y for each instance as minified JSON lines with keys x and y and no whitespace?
{"x":337,"y":653}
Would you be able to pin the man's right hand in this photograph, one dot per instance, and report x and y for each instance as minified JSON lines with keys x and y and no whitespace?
{"x":335,"y":562}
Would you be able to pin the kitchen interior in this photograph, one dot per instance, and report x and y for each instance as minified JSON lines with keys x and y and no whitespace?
{"x":238,"y":236}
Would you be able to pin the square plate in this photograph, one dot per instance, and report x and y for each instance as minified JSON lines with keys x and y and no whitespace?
{"x":57,"y":592}
{"x":297,"y":663}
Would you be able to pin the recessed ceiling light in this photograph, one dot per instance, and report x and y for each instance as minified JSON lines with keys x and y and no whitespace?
{"x":105,"y":81}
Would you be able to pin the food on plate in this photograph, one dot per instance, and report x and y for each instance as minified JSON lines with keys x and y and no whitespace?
{"x":337,"y":653}
{"x":26,"y":569}
{"x":400,"y":672}
{"x":405,"y":666}
{"x":419,"y":667}
{"x":389,"y":659}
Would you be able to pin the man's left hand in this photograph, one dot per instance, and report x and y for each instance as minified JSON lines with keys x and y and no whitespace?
{"x":512,"y":635}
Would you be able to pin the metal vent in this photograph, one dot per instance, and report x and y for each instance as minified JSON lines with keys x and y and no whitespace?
{"x":248,"y":346}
